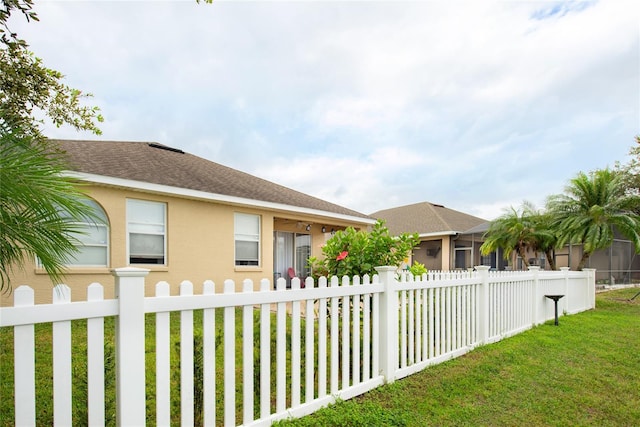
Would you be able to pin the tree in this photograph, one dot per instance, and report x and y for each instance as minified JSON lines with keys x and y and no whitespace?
{"x":592,"y":209}
{"x":27,"y":86}
{"x":351,"y":252}
{"x":520,"y":230}
{"x":39,"y":207}
{"x":630,"y":172}
{"x":546,"y":239}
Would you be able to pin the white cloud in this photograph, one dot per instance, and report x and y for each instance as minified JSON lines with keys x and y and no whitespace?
{"x":474,"y":105}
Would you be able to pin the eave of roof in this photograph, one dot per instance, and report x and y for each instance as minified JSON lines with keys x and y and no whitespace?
{"x":159,"y":168}
{"x":201,"y":195}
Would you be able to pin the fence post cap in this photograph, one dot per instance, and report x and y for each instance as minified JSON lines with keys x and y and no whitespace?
{"x":564,"y":268}
{"x":534,"y":268}
{"x":482,"y":267}
{"x":130,"y":272}
{"x":386,"y":268}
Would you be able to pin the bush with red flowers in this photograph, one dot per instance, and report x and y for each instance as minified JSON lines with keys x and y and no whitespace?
{"x":351,"y":252}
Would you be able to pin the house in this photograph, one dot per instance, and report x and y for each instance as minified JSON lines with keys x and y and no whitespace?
{"x":449,"y":239}
{"x":186,"y":218}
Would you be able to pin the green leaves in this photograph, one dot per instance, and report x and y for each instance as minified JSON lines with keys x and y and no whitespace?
{"x":592,"y":208}
{"x":365,"y":251}
{"x":27,"y":86}
{"x":519,"y":231}
{"x":39,"y":208}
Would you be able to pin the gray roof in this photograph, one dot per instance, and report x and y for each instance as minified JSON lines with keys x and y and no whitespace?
{"x":426,"y":218}
{"x":160,"y":164}
{"x":479,"y":229}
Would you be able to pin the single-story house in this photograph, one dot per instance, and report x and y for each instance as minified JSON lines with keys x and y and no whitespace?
{"x":186,"y":218}
{"x":616,"y":264}
{"x":449,"y":239}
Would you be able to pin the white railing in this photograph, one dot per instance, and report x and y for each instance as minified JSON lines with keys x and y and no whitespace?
{"x":331,"y":339}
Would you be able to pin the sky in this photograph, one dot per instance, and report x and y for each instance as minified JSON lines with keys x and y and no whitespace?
{"x":474,"y":105}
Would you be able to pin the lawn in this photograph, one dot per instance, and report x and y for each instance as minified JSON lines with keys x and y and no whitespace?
{"x":586,"y":371}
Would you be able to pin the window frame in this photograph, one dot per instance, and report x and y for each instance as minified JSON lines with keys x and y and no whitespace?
{"x":135,"y":226}
{"x":243,"y":236}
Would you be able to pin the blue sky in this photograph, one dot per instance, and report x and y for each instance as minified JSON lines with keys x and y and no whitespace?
{"x":476,"y":105}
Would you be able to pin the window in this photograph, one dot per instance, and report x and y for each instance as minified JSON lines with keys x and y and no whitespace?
{"x":247,"y":239}
{"x":146,"y":227}
{"x":93,"y":239}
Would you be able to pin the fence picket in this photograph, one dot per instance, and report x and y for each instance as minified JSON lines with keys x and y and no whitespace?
{"x":403,"y":329}
{"x":322,"y":341}
{"x":366,"y":332}
{"x":295,"y":346}
{"x":265,"y":353}
{"x":247,"y":356}
{"x":163,"y":367}
{"x":24,"y":363}
{"x":229,"y":359}
{"x":346,"y":347}
{"x":375,"y":330}
{"x":62,"y":361}
{"x":281,"y":341}
{"x":355,"y":347}
{"x":209,"y":358}
{"x":334,"y":340}
{"x":186,"y":359}
{"x":310,"y":345}
{"x":95,"y":360}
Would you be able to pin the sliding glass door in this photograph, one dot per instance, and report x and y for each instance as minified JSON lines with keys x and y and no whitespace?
{"x":290,"y":254}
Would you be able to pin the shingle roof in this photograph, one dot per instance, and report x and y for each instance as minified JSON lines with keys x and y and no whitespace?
{"x":426,"y":218}
{"x":159,"y":164}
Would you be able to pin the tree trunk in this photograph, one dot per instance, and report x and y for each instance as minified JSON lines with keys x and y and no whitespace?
{"x":524,"y":259}
{"x":583,"y":260}
{"x":551,"y":260}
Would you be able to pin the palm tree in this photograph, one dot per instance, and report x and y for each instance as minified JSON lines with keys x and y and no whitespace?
{"x":545,"y":238}
{"x":39,"y":207}
{"x":592,"y":209}
{"x":519,"y":230}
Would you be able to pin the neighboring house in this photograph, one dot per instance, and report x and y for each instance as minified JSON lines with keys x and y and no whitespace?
{"x":186,"y":218}
{"x":449,"y":239}
{"x":617,"y":264}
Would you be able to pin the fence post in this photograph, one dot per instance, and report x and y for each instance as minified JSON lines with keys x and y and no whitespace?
{"x":535,"y":293}
{"x":388,"y":347}
{"x":130,"y":342}
{"x":483,"y":307}
{"x":565,"y":271}
{"x":591,"y":286}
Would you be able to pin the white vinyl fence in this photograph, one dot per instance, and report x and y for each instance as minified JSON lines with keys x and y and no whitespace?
{"x":297,"y":350}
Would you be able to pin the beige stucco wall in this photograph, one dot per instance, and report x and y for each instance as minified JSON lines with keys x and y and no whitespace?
{"x":200,"y":245}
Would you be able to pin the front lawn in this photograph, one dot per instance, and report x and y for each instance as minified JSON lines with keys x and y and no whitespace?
{"x":586,"y":371}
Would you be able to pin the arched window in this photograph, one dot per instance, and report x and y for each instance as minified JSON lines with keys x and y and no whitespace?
{"x":93,"y":250}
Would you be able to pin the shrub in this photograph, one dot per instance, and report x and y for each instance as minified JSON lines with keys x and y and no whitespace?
{"x":351,"y":252}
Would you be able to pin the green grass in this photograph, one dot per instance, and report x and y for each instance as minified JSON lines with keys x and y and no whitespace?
{"x":584,"y":372}
{"x":44,"y":369}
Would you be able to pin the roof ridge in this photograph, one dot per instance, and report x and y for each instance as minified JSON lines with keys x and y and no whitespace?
{"x":432,"y":207}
